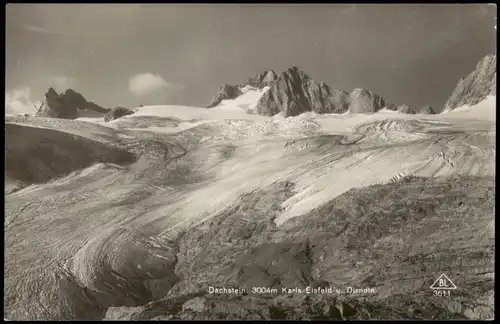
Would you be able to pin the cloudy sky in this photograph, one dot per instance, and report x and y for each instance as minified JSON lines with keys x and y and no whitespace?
{"x":181,"y":54}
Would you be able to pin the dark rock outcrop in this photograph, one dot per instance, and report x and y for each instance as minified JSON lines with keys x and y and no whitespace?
{"x":365,"y":101}
{"x":287,"y":95}
{"x":227,"y":92}
{"x":476,"y":86}
{"x":73,"y":98}
{"x":95,"y":107}
{"x":325,"y":100}
{"x":392,"y":107}
{"x":55,"y":107}
{"x":404,"y":109}
{"x":263,"y":79}
{"x":337,"y":246}
{"x":66,"y":105}
{"x":116,"y":113}
{"x":427,"y":110}
{"x":294,"y":92}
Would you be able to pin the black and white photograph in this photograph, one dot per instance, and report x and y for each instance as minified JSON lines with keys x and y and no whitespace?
{"x":249,"y":161}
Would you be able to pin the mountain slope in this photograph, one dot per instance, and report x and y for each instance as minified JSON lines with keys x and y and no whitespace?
{"x":262,"y":80}
{"x":37,"y":155}
{"x":360,"y":239}
{"x":67,"y":105}
{"x":218,"y":196}
{"x":136,"y":218}
{"x":230,"y":92}
{"x":226,"y":92}
{"x":427,"y":110}
{"x":294,"y":92}
{"x":365,"y":101}
{"x":476,"y":86}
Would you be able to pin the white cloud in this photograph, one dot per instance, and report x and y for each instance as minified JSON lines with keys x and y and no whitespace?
{"x":146,"y":84}
{"x":62,"y":83}
{"x":19,"y":101}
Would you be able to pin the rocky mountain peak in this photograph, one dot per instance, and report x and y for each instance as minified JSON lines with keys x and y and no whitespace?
{"x":294,"y":92}
{"x":71,"y":97}
{"x":477,"y":85}
{"x":404,"y":109}
{"x":54,"y":107}
{"x":295,"y":72}
{"x":428,"y":110}
{"x":52,"y":93}
{"x":51,"y":97}
{"x":486,"y":61}
{"x":66,"y":105}
{"x":268,"y":79}
{"x":360,"y":92}
{"x":226,"y":92}
{"x":365,"y":101}
{"x":262,"y":80}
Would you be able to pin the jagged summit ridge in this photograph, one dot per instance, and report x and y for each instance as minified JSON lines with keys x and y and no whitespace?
{"x":66,"y":105}
{"x":477,"y":85}
{"x":294,"y":92}
{"x":229,"y":92}
{"x":427,"y":110}
{"x":262,"y":80}
{"x":365,"y":101}
{"x":226,"y":92}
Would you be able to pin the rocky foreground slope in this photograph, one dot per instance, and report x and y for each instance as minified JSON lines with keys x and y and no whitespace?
{"x":477,"y":85}
{"x":376,"y":240}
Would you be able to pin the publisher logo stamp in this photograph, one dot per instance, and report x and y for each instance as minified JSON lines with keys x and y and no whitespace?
{"x":443,"y":283}
{"x":443,"y":286}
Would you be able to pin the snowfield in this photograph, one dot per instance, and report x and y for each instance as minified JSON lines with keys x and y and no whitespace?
{"x":485,"y":110}
{"x":246,"y":102}
{"x":94,"y":225}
